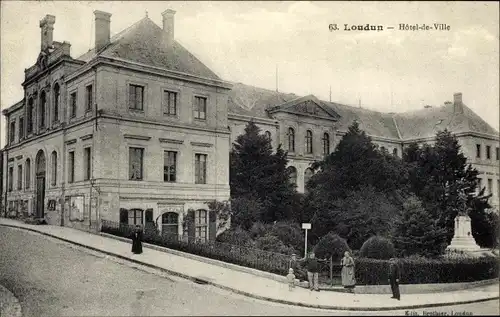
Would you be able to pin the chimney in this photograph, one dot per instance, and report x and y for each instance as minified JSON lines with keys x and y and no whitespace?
{"x":47,"y":26}
{"x":102,"y":29}
{"x":168,"y":26}
{"x":457,"y":103}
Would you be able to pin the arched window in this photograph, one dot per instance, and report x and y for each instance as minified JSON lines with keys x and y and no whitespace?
{"x":201,"y":225}
{"x":326,"y":144}
{"x":268,"y":135}
{"x":57,"y":95}
{"x":291,"y":140}
{"x":170,"y":224}
{"x":43,"y":103}
{"x":53,"y":159}
{"x":27,"y":174}
{"x":292,"y":175}
{"x":29,"y":116}
{"x":309,"y":142}
{"x":307,"y":176}
{"x":395,"y":152}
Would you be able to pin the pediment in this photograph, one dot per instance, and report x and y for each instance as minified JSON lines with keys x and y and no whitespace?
{"x":307,"y":106}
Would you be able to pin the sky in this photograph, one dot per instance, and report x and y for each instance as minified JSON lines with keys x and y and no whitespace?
{"x":390,"y":70}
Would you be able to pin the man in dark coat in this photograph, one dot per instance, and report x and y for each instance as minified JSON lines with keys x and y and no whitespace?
{"x":394,"y":276}
{"x":137,"y":240}
{"x":312,"y":267}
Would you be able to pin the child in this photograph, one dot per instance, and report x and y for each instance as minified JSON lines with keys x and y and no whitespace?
{"x":291,"y":279}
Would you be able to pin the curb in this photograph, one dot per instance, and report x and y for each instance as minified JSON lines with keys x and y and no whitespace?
{"x":9,"y":304}
{"x":269,"y":299}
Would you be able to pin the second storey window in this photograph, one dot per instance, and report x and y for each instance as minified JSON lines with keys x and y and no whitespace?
{"x":200,"y":108}
{"x":309,"y":142}
{"x":12,"y":131}
{"x":19,"y":177}
{"x":291,"y":140}
{"x":88,"y":98}
{"x":169,"y":103}
{"x":87,"y":156}
{"x":71,"y":167}
{"x":135,"y":163}
{"x":200,"y":168}
{"x":57,"y":95}
{"x":43,"y":104}
{"x":478,"y":150}
{"x":497,"y":154}
{"x":136,"y":97}
{"x":488,"y":152}
{"x":29,"y":118}
{"x":21,"y":128}
{"x":72,"y":105}
{"x":169,"y":164}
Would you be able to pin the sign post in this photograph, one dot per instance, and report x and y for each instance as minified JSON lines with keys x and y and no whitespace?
{"x":306,"y":226}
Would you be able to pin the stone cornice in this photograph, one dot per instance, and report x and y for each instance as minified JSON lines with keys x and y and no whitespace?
{"x":173,"y":141}
{"x":137,"y":137}
{"x":201,"y":144}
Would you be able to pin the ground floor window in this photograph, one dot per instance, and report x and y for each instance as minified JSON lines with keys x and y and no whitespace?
{"x":135,"y":217}
{"x":170,"y":224}
{"x":201,"y":225}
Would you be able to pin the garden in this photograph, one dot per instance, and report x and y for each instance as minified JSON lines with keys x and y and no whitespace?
{"x":361,"y":199}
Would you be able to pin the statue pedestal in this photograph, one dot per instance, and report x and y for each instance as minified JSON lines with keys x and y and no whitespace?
{"x":463,"y":239}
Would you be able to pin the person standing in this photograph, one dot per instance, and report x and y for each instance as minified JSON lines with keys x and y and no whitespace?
{"x":348,"y":277}
{"x":312,"y":267}
{"x":291,"y":279}
{"x":394,"y":276}
{"x":137,"y":240}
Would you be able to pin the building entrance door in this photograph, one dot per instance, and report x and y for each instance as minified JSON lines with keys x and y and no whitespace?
{"x":40,"y":185}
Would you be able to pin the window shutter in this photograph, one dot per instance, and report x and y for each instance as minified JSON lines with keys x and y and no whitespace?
{"x":123,"y":216}
{"x":212,"y":226}
{"x":190,"y":226}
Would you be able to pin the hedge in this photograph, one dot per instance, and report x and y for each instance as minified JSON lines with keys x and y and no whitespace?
{"x":428,"y":271}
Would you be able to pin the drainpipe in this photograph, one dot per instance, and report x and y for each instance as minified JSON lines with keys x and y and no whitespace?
{"x":92,"y":180}
{"x":63,"y":165}
{"x":6,"y":177}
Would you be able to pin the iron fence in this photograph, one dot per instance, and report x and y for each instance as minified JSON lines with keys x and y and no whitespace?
{"x":232,"y":253}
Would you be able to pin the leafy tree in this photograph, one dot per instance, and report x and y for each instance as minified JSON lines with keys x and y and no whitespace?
{"x":438,"y":174}
{"x":257,"y":172}
{"x":246,"y":210}
{"x":236,"y":236}
{"x":415,"y":233}
{"x":290,"y":234}
{"x":377,"y":247}
{"x":356,"y":191}
{"x":331,"y":245}
{"x":357,"y":217}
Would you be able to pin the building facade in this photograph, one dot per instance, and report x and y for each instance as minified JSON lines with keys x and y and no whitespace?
{"x":138,"y":131}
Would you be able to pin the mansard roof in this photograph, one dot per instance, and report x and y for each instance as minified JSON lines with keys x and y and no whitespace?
{"x":258,"y":102}
{"x":143,"y":43}
{"x":427,"y":122}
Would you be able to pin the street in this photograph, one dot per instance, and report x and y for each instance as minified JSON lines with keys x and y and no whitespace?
{"x":54,"y":278}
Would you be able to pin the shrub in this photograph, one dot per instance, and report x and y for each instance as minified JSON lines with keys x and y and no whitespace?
{"x":418,"y":270}
{"x":235,"y":236}
{"x":290,"y":234}
{"x":272,"y":243}
{"x":377,"y":248}
{"x":258,"y":230}
{"x":331,"y":245}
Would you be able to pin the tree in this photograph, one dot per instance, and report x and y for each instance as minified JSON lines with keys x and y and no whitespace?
{"x":356,"y":191}
{"x":246,"y":210}
{"x":415,"y":233}
{"x":357,"y":217}
{"x":377,"y":247}
{"x":438,"y":174}
{"x":331,"y":245}
{"x":257,"y":172}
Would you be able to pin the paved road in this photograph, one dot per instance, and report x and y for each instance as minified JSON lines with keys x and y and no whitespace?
{"x":53,"y":278}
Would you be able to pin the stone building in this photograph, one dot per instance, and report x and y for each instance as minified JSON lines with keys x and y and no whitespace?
{"x":138,"y":131}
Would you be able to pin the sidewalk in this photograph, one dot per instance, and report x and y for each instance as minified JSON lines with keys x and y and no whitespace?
{"x":256,"y":286}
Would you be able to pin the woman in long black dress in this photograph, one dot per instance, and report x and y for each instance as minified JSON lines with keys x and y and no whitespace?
{"x":137,"y":240}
